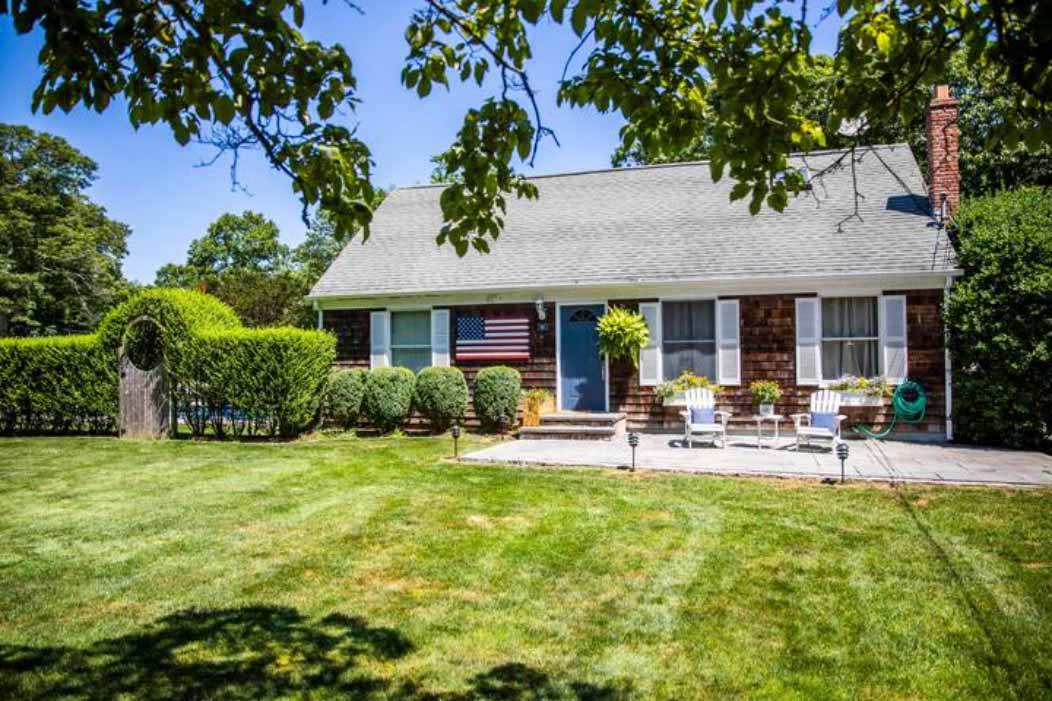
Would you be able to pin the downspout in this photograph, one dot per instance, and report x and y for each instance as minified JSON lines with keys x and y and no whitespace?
{"x":317,"y":308}
{"x":949,"y":369}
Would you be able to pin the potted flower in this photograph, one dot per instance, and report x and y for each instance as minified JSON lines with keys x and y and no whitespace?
{"x":862,"y":391}
{"x":673,"y":392}
{"x":535,"y":404}
{"x":622,"y":334}
{"x":765,"y":393}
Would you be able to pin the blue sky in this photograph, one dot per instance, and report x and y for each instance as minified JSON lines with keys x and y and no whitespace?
{"x":151,"y":183}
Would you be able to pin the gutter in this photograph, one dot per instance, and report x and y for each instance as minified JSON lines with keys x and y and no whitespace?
{"x":949,"y":369}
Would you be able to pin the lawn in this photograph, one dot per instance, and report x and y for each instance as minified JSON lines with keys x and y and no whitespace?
{"x":376,"y":569}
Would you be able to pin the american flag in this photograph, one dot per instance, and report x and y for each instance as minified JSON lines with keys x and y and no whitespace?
{"x":493,"y":338}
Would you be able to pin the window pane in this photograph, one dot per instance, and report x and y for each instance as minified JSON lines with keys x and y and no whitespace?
{"x":699,"y":358}
{"x":858,"y":358}
{"x":688,"y":321}
{"x":849,"y":317}
{"x":416,"y":359}
{"x":411,"y":328}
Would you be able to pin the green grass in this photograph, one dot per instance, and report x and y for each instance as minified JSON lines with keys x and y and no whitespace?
{"x":374,"y":569}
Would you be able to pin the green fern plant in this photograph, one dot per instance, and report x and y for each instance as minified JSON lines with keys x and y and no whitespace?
{"x":622,"y":334}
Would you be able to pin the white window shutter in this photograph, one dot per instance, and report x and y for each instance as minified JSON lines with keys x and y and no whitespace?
{"x":808,"y":340}
{"x":728,"y":343}
{"x":379,"y":340}
{"x":893,"y":337}
{"x":439,"y":337}
{"x":650,"y":357}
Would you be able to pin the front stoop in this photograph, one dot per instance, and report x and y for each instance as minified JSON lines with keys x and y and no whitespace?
{"x":574,"y":425}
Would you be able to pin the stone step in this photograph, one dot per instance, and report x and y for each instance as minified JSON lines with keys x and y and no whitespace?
{"x":582,"y":418}
{"x":568,"y":432}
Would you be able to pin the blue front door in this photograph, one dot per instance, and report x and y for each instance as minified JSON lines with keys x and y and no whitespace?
{"x":581,"y":377}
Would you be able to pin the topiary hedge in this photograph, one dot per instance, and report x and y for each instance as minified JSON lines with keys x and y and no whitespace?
{"x":497,"y":393}
{"x":343,"y":397}
{"x":180,"y":314}
{"x":57,"y":384}
{"x":388,"y":397}
{"x":441,"y":396}
{"x":254,"y":380}
{"x":999,"y":318}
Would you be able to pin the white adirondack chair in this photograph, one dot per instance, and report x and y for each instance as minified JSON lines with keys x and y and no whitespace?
{"x":702,"y":398}
{"x":823,"y":402}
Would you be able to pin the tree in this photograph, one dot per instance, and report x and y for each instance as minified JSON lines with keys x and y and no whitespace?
{"x":60,"y":255}
{"x":735,"y":69}
{"x":987,"y":166}
{"x":999,"y":317}
{"x":242,"y":261}
{"x":246,"y":241}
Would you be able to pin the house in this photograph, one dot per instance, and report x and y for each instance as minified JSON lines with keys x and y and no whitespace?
{"x":848,"y":280}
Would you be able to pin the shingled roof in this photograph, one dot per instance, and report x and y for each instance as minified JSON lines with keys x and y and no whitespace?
{"x":658,"y":224}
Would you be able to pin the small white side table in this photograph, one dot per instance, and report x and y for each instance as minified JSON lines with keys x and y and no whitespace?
{"x":760,"y":438}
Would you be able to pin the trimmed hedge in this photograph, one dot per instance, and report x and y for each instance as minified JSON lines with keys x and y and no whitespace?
{"x":181,"y":314}
{"x":388,"y":397}
{"x":343,"y":397}
{"x":254,"y":380}
{"x":441,"y":396}
{"x":57,"y":384}
{"x":497,"y":392}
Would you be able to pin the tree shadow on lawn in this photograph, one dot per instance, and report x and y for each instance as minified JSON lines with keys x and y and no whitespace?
{"x":253,"y":653}
{"x":1023,"y":666}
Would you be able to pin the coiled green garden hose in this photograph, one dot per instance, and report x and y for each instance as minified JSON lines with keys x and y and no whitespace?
{"x":908,"y":404}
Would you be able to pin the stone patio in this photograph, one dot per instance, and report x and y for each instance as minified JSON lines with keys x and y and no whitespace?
{"x":885,"y":461}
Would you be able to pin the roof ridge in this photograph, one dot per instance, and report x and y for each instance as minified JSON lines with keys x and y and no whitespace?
{"x":655,"y":166}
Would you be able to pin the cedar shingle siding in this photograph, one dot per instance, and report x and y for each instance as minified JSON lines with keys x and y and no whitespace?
{"x":768,"y":351}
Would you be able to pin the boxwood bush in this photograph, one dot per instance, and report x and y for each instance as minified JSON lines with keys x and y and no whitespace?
{"x":343,"y":397}
{"x":57,"y":385}
{"x":497,"y":392}
{"x":388,"y":397}
{"x":254,"y":380}
{"x":441,"y":396}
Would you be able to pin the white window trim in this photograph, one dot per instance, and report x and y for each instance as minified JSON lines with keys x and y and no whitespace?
{"x":822,"y":382}
{"x":390,"y":336}
{"x":716,"y":330}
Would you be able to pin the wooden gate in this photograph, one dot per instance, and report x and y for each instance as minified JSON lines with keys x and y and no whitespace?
{"x":145,"y":399}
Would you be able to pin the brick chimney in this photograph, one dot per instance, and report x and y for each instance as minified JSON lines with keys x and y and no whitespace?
{"x":943,"y":136}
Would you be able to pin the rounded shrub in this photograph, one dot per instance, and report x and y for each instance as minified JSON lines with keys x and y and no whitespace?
{"x":388,"y":397}
{"x":343,"y":397}
{"x":497,"y":392}
{"x":441,"y":396}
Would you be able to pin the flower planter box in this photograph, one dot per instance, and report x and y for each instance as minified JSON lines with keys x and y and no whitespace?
{"x":677,"y":399}
{"x":859,"y":399}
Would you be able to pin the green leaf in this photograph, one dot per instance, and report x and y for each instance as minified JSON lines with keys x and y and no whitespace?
{"x":558,"y":10}
{"x":740,"y":190}
{"x":579,"y":17}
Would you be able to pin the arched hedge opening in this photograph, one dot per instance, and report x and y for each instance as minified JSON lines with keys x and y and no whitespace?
{"x":226,"y":380}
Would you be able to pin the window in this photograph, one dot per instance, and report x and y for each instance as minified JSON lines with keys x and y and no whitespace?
{"x":411,"y":339}
{"x":850,"y":337}
{"x":688,"y":338}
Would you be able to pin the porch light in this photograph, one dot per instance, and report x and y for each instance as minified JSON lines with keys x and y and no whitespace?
{"x":633,"y":442}
{"x":841,"y":453}
{"x":455,"y":432}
